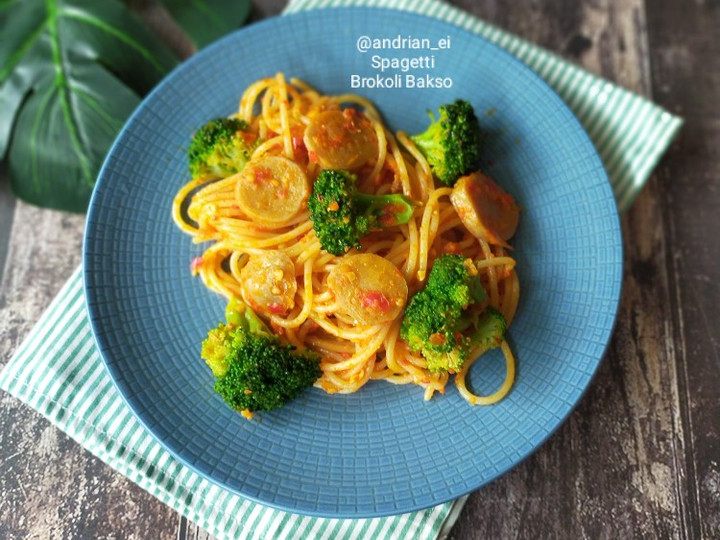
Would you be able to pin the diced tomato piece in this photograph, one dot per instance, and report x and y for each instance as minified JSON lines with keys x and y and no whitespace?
{"x":262,"y":175}
{"x":195,"y":264}
{"x":375,"y":300}
{"x":249,"y":138}
{"x":451,"y":247}
{"x":276,"y":308}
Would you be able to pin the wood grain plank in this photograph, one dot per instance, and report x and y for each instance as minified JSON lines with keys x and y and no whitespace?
{"x":50,"y":487}
{"x":685,"y":52}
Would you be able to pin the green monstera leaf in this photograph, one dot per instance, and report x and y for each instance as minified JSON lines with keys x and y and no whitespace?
{"x":205,"y":20}
{"x":72,"y":72}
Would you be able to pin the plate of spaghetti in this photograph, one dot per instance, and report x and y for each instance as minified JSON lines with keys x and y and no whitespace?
{"x":329,"y":301}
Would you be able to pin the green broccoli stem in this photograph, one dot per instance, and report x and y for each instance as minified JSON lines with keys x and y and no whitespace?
{"x":342,"y":216}
{"x":240,"y":315}
{"x":432,"y":135}
{"x":429,"y":141}
{"x":489,"y":329}
{"x":254,"y":369}
{"x":385,"y":210}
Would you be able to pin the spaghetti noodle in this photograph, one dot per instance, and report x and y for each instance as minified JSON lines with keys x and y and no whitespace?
{"x":276,"y":255}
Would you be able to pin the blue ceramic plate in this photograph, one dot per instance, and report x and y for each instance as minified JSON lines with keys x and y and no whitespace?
{"x":382,"y":450}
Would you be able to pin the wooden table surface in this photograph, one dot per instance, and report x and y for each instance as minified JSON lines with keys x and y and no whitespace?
{"x":639,"y":457}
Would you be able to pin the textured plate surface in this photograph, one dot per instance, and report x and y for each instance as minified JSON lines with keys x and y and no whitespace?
{"x":382,"y":450}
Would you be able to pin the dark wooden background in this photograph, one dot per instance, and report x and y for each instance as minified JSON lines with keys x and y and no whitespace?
{"x":639,"y":458}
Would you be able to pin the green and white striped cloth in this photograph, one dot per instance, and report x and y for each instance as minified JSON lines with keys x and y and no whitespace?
{"x":58,"y":370}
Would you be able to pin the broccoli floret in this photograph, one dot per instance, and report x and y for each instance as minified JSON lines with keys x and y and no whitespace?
{"x":220,"y":148}
{"x":456,"y":279}
{"x":254,"y":371}
{"x":441,"y":320}
{"x":452,"y":143}
{"x":216,"y":349}
{"x":341,"y":215}
{"x":489,"y":329}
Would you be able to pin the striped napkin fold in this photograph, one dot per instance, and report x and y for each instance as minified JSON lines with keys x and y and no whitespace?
{"x":58,"y":370}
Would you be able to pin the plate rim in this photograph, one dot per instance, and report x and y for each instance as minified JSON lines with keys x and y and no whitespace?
{"x":308,"y":15}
